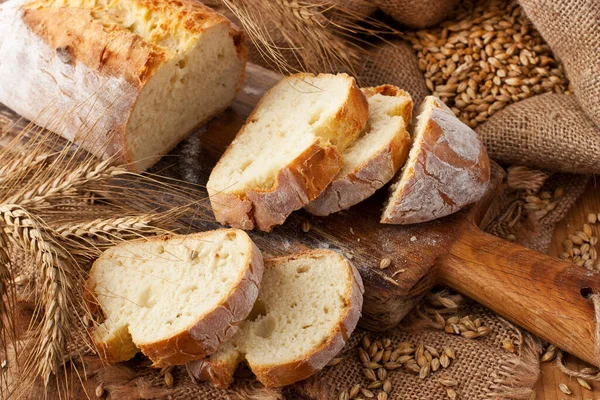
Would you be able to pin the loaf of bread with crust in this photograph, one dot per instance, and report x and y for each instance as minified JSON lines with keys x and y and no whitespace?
{"x":174,"y":298}
{"x":309,"y":304}
{"x":447,"y":168}
{"x":288,"y":151}
{"x":375,"y":157}
{"x":128,"y":79}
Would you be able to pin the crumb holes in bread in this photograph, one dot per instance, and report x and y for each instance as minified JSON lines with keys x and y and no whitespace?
{"x":302,"y":269}
{"x":145,"y":299}
{"x":161,"y":250}
{"x":315,"y":117}
{"x":326,"y":310}
{"x":188,"y":289}
{"x":181,"y":63}
{"x":230,"y":235}
{"x":266,"y":327}
{"x":259,"y":310}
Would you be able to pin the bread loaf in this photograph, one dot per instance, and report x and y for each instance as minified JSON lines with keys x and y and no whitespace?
{"x":175,"y":298}
{"x":128,"y":78}
{"x":288,"y":151}
{"x":309,"y":304}
{"x":448,"y":168}
{"x":375,"y":157}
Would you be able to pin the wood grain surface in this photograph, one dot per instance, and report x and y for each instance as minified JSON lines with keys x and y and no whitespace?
{"x":547,"y":388}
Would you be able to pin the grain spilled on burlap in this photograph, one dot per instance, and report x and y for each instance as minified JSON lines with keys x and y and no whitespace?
{"x":531,"y":232}
{"x":548,"y":131}
{"x":572,"y":29}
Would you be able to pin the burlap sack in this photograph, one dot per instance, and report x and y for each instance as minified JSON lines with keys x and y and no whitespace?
{"x":417,"y":13}
{"x":548,"y":131}
{"x":395,"y":63}
{"x":572,"y":29}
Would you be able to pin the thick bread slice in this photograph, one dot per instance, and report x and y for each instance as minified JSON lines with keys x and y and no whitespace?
{"x":175,"y":298}
{"x":309,"y":304}
{"x":448,"y":168}
{"x":288,"y":151}
{"x":375,"y":157}
{"x":128,"y":78}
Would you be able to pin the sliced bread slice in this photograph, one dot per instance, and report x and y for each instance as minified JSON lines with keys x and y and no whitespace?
{"x":309,"y":304}
{"x":375,"y":157}
{"x":447,"y":169}
{"x":175,"y":298}
{"x":288,"y":151}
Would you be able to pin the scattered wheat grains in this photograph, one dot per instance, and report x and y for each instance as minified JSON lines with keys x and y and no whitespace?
{"x":305,"y":226}
{"x":508,"y":345}
{"x":485,"y":58}
{"x":385,"y":263}
{"x":99,"y":391}
{"x":549,"y":354}
{"x":335,"y":361}
{"x":583,"y":383}
{"x":169,"y":379}
{"x":564,"y":388}
{"x":451,"y":393}
{"x":580,"y":247}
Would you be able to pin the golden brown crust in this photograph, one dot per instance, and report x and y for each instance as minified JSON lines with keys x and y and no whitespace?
{"x":213,"y":328}
{"x":449,"y":170}
{"x":351,"y":118}
{"x":349,"y":189}
{"x":301,"y":181}
{"x":77,"y":34}
{"x":286,"y":374}
{"x":294,"y":186}
{"x":220,"y":372}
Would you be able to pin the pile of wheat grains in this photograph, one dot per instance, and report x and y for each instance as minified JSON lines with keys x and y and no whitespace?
{"x":487,"y":56}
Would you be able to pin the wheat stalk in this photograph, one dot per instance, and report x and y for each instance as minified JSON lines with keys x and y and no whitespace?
{"x":56,"y":287}
{"x":20,"y":168}
{"x":103,"y":232}
{"x":66,"y":183}
{"x":315,"y":41}
{"x":7,"y":297}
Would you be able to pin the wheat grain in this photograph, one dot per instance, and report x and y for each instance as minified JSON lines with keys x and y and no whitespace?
{"x":486,"y":58}
{"x":564,"y":388}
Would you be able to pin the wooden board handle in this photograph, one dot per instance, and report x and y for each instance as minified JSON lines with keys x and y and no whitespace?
{"x":539,"y":293}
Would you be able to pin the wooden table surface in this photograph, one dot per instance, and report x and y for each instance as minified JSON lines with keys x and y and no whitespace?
{"x":547,"y":387}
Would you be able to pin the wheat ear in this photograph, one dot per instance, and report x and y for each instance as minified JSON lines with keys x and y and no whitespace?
{"x":56,"y":287}
{"x":66,"y":183}
{"x":7,"y":299}
{"x":99,"y":233}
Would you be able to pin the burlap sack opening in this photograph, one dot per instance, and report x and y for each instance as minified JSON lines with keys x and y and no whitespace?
{"x":572,"y":30}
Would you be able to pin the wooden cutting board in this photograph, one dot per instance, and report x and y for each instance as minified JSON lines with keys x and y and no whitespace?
{"x":524,"y":286}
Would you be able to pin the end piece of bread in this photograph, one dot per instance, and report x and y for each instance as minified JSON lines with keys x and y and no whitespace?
{"x":448,"y":168}
{"x":175,"y":298}
{"x":127,"y":79}
{"x":375,"y":157}
{"x":288,"y":151}
{"x":309,"y":304}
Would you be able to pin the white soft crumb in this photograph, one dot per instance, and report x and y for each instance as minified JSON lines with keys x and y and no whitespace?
{"x":413,"y":239}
